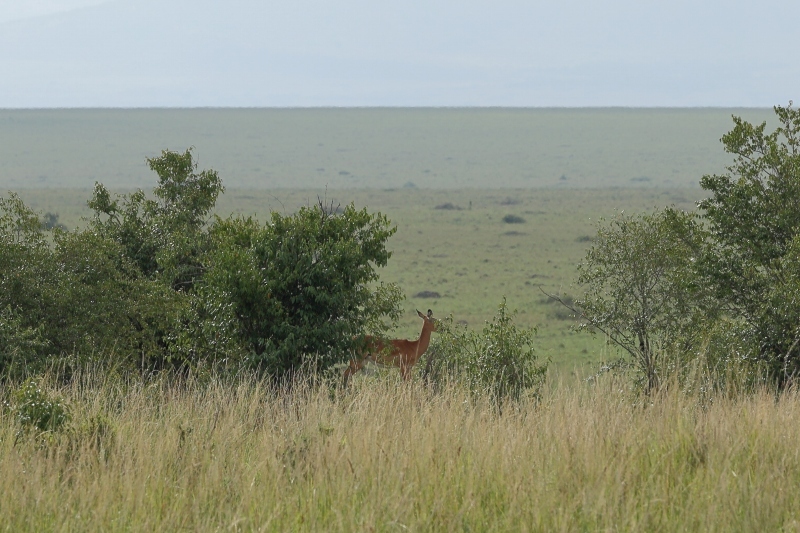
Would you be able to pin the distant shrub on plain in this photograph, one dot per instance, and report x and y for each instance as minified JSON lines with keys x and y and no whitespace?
{"x":513,"y":219}
{"x":427,"y":294}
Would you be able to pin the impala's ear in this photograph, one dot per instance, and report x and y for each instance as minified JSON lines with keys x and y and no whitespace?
{"x":430,"y":313}
{"x":420,"y":313}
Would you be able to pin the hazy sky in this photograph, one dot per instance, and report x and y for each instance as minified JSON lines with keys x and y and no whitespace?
{"x":132,"y":53}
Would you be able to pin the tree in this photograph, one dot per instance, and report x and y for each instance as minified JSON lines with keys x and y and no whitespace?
{"x":27,"y":276}
{"x":165,"y":235}
{"x":753,"y":214}
{"x":156,"y":283}
{"x":70,"y":296}
{"x":640,"y":288}
{"x":299,"y":286}
{"x":104,"y":308}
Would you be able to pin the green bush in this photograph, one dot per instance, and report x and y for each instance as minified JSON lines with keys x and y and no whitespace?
{"x":21,"y":346}
{"x":70,"y":296}
{"x":157,"y":283}
{"x":34,"y":408}
{"x":299,"y":287}
{"x":500,"y":360}
{"x":28,"y":277}
{"x":753,"y":214}
{"x":513,"y":219}
{"x":641,"y":290}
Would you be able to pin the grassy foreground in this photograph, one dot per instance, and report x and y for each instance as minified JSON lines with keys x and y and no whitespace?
{"x":384,"y":456}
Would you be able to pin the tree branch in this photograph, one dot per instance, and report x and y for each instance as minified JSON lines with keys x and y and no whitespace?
{"x":605,"y":331}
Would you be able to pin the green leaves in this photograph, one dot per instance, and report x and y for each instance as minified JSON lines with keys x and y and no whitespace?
{"x":754,"y":217}
{"x":21,"y":345}
{"x":301,"y":285}
{"x":640,"y":288}
{"x":152,"y":283}
{"x":500,"y":360}
{"x":186,"y":196}
{"x":165,"y":236}
{"x":19,"y":225}
{"x":670,"y":280}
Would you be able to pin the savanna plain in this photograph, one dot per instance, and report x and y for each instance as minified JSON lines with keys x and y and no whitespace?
{"x":488,"y":204}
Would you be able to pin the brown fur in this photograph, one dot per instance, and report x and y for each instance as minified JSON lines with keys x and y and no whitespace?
{"x":401,"y":353}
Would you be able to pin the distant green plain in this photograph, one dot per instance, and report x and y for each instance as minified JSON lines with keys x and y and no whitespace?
{"x":445,"y":177}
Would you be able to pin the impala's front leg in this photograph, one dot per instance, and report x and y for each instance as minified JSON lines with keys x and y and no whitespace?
{"x":405,"y":370}
{"x":351,"y":369}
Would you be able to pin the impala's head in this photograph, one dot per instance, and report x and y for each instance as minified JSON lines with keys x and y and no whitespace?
{"x":428,"y":319}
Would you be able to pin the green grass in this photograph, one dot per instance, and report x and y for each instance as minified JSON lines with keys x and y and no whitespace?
{"x":385,"y":456}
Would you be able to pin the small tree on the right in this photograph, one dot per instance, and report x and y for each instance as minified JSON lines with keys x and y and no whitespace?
{"x":753,"y":213}
{"x":640,"y":288}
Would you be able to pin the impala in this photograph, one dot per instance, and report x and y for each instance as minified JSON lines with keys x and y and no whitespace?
{"x":401,"y":353}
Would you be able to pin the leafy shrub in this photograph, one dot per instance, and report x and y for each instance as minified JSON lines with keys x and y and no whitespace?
{"x":299,"y":287}
{"x":154,"y":283}
{"x":641,"y":290}
{"x":162,"y":236}
{"x":427,"y":294}
{"x":500,"y":360}
{"x":50,"y":221}
{"x":36,"y":409}
{"x":753,"y":216}
{"x":21,"y":346}
{"x":75,"y":293}
{"x":103,"y":304}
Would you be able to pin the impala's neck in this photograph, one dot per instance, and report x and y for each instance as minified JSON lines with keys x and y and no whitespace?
{"x":424,"y":338}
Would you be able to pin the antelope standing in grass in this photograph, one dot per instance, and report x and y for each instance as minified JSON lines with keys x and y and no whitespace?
{"x":401,"y":353}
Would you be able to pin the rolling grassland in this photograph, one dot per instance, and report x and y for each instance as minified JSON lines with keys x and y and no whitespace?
{"x":385,"y":456}
{"x":447,"y":148}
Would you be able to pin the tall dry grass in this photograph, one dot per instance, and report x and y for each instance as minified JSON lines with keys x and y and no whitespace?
{"x":387,"y":456}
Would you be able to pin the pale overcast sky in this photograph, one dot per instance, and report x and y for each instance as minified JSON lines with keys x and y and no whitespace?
{"x":136,"y":53}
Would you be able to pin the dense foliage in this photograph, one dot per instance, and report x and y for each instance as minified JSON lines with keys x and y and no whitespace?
{"x":302,"y":284}
{"x":675,"y":283}
{"x":753,"y":212}
{"x":156,"y":283}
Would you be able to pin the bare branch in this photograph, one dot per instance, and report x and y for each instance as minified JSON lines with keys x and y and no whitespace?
{"x":610,"y":334}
